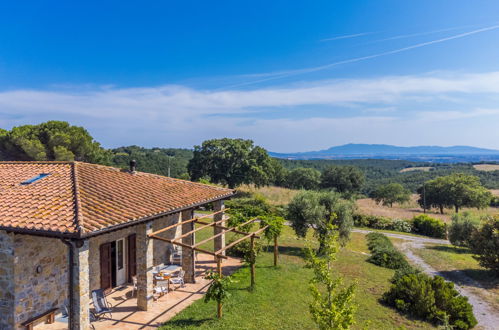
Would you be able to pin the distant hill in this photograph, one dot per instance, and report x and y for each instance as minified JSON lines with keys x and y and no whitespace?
{"x":384,"y":151}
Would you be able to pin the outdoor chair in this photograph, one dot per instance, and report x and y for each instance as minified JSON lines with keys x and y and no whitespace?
{"x":101,"y":305}
{"x":134,"y":282}
{"x":161,"y":288}
{"x":179,"y":279}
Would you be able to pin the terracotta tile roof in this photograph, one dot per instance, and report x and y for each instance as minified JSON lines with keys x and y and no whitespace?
{"x":80,"y":198}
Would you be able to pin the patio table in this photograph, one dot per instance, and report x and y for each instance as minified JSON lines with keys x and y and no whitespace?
{"x":167,"y":271}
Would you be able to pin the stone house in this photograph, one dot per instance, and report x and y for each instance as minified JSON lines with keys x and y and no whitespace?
{"x":67,"y":228}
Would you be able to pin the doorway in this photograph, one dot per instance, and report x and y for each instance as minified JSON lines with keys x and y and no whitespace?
{"x":113,"y":264}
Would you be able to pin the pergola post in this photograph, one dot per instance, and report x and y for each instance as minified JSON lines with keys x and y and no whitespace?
{"x":144,"y":266}
{"x":253,"y":261}
{"x":276,"y":251}
{"x":219,"y":270}
{"x":219,"y":242}
{"x":188,"y":260}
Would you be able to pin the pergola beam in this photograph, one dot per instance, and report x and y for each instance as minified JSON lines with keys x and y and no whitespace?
{"x":186,"y":221}
{"x":240,"y":240}
{"x":225,"y":227}
{"x":208,"y":224}
{"x":226,"y":230}
{"x":187,"y":246}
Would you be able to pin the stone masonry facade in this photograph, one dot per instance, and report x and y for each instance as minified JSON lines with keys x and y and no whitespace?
{"x":33,"y":277}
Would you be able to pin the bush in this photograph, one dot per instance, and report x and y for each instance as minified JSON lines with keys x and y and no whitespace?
{"x":380,"y":222}
{"x":485,"y":244}
{"x":462,"y":228}
{"x":242,"y":250}
{"x":383,"y":253}
{"x":402,"y":225}
{"x":432,"y":299}
{"x":426,"y":225}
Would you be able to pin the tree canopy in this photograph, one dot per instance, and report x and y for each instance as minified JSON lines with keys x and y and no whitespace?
{"x":231,"y":162}
{"x":344,"y":179}
{"x":318,"y":210}
{"x":303,"y":178}
{"x":52,"y":140}
{"x":391,"y":193}
{"x":456,"y":190}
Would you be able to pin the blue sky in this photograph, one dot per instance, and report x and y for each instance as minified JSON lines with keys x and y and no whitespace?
{"x":291,"y":75}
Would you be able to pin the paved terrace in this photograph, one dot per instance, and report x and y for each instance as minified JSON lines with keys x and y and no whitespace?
{"x":126,"y":315}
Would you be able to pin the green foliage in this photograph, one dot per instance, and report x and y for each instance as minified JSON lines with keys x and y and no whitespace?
{"x":52,"y":140}
{"x":426,"y":225}
{"x":485,"y":244}
{"x":462,"y":228}
{"x":303,"y":178}
{"x":243,"y":250}
{"x":380,"y":222}
{"x":432,"y":299}
{"x":275,"y":226}
{"x":383,"y":253}
{"x":456,"y":190}
{"x":218,"y":290}
{"x":332,"y":306}
{"x":246,"y":208}
{"x":344,"y":179}
{"x":319,"y":210}
{"x":231,"y":162}
{"x":391,"y":193}
{"x":155,"y":160}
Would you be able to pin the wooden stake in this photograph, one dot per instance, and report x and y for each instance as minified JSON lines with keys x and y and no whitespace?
{"x":252,"y":249}
{"x":276,"y":251}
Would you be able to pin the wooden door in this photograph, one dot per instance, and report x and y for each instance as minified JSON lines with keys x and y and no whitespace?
{"x":106,"y":276}
{"x":132,"y":256}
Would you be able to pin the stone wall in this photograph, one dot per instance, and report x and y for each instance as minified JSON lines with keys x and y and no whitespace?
{"x":162,"y":249}
{"x":6,"y":280}
{"x":35,"y":292}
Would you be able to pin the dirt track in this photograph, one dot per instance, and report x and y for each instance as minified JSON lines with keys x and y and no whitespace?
{"x":484,"y":313}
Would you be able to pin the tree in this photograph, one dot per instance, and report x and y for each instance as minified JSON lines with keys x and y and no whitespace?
{"x":318,"y":210}
{"x":332,"y":306}
{"x":303,"y":178}
{"x":231,"y":162}
{"x":344,"y":179}
{"x":462,"y":228}
{"x":218,"y":290}
{"x":275,"y":225}
{"x":52,"y":140}
{"x":456,"y":190}
{"x":485,"y":244}
{"x":391,"y":193}
{"x":279,"y":173}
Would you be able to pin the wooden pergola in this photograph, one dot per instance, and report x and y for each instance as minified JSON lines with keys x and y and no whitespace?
{"x":219,"y":254}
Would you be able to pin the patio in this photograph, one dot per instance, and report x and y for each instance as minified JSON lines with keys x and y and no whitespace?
{"x":126,"y":314}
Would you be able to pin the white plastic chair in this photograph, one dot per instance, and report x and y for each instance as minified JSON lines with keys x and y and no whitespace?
{"x":161,"y":288}
{"x":179,"y":279}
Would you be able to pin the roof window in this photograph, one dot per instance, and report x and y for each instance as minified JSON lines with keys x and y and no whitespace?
{"x":35,"y":178}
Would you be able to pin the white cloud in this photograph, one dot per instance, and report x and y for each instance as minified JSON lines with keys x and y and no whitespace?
{"x":182,"y":116}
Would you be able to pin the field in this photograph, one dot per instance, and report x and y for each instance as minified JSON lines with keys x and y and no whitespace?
{"x":281,"y":297}
{"x":459,"y":265}
{"x":421,"y":168}
{"x":486,"y":167}
{"x":274,"y":195}
{"x":411,"y":209}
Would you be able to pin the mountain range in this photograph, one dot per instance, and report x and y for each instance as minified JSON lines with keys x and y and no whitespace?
{"x":383,"y":151}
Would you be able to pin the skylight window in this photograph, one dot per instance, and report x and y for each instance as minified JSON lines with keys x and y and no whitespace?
{"x":35,"y":178}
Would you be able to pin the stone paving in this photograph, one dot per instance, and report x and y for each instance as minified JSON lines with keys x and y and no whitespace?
{"x":126,"y":315}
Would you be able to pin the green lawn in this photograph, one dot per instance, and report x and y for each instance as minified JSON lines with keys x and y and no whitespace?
{"x":281,"y":297}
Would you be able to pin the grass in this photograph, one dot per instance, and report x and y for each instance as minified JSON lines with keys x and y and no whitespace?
{"x":421,"y":168}
{"x":455,"y":261}
{"x":274,"y":195}
{"x":486,"y":167}
{"x":280,"y":299}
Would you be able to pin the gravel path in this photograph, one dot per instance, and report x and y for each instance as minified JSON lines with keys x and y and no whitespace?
{"x":487,"y":318}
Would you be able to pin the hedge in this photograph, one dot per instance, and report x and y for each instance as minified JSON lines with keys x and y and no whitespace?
{"x":383,"y":253}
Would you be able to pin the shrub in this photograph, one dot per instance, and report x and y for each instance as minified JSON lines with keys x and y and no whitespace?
{"x":462,"y":228}
{"x":426,"y":225}
{"x":485,"y":244}
{"x":242,"y":250}
{"x":402,"y":225}
{"x":383,"y":253}
{"x":432,"y":299}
